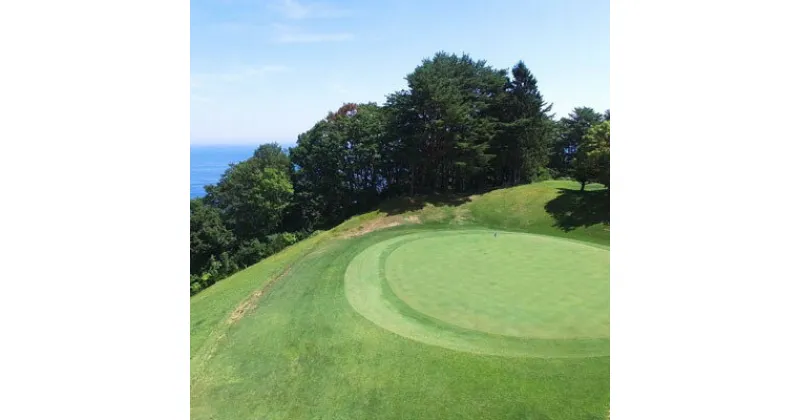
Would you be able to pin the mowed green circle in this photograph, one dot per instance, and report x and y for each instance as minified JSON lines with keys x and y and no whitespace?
{"x":508,"y":284}
{"x":369,"y":292}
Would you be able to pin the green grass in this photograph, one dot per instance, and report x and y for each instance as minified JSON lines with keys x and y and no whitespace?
{"x":210,"y":308}
{"x":511,"y":284}
{"x":304,"y":352}
{"x":376,"y":301}
{"x":551,"y":208}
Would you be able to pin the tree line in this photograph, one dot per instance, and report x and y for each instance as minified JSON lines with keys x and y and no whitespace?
{"x":460,"y":126}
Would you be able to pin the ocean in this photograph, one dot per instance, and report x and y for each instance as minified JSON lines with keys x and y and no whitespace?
{"x":208,"y":163}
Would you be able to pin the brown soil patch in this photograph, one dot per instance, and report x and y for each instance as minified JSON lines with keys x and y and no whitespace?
{"x":413,"y":219}
{"x":252,"y":301}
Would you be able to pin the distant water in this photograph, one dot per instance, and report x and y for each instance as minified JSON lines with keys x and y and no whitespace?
{"x":208,"y":163}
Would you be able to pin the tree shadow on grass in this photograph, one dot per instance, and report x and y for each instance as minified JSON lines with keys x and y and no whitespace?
{"x":399,"y":205}
{"x":573,"y":209}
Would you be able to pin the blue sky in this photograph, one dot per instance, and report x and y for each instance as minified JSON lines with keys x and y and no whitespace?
{"x":267,"y":70}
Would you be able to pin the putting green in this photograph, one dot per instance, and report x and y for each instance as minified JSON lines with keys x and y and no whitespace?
{"x":512,"y":294}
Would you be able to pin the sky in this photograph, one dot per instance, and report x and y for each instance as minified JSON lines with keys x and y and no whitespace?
{"x":267,"y":70}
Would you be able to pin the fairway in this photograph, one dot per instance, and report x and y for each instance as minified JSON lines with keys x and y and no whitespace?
{"x":487,"y":292}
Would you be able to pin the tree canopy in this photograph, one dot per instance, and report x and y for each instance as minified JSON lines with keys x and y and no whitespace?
{"x":597,"y":143}
{"x":251,"y":197}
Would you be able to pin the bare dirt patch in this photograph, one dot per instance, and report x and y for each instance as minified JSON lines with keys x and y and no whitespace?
{"x":252,"y":301}
{"x":414,"y":219}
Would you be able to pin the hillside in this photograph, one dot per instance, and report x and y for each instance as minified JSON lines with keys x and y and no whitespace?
{"x":281,"y":339}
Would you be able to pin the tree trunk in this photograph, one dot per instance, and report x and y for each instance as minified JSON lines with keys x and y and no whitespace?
{"x":583,"y":185}
{"x":412,"y":180}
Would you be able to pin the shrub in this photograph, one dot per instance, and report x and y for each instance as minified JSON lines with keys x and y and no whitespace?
{"x":542,"y":174}
{"x":251,"y":252}
{"x":248,"y":253}
{"x":196,"y":287}
{"x":228,"y":265}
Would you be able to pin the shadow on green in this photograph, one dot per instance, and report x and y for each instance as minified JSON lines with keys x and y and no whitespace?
{"x":400,"y":205}
{"x":573,"y":209}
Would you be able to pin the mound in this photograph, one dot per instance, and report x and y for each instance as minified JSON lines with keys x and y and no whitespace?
{"x":507,"y":294}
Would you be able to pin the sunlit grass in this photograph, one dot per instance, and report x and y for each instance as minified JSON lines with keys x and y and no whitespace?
{"x":303,"y":352}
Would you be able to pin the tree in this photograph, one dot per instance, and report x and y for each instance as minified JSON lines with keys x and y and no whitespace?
{"x":252,"y":197}
{"x":582,"y":168}
{"x":271,"y":155}
{"x":401,"y":149}
{"x":446,"y":123}
{"x":571,"y":131}
{"x":347,"y":110}
{"x":592,"y":160}
{"x":208,"y":235}
{"x":339,"y":164}
{"x":598,"y":151}
{"x":522,"y":145}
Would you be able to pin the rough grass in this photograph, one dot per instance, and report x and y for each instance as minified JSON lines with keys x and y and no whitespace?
{"x":303,"y":352}
{"x":211,"y":307}
{"x":554,"y":208}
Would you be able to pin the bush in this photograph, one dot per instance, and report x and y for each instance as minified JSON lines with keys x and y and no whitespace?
{"x":304,"y":234}
{"x":248,"y":253}
{"x":251,"y":252}
{"x":228,"y":265}
{"x":212,"y":271}
{"x":555,"y":174}
{"x":283,"y":240}
{"x":195,"y":283}
{"x":542,"y":174}
{"x":196,"y":287}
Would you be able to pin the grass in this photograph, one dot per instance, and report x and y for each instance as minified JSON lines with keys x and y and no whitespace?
{"x":304,"y":352}
{"x":542,"y":208}
{"x":511,"y":284}
{"x":210,"y":308}
{"x":377,"y":302}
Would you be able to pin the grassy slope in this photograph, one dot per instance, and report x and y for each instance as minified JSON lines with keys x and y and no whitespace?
{"x":304,"y":353}
{"x":545,"y":208}
{"x":210,"y":308}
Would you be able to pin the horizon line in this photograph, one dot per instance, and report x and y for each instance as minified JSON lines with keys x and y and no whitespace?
{"x":243,"y":143}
